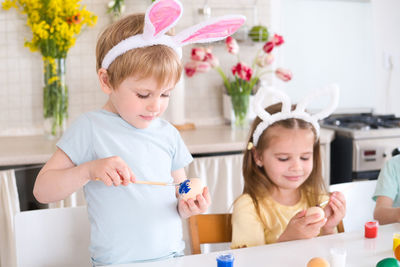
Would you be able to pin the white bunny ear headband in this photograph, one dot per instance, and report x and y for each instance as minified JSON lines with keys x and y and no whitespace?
{"x":286,"y":113}
{"x":161,"y":16}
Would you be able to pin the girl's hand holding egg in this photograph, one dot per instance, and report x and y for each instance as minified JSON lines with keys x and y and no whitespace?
{"x":334,"y":212}
{"x":315,"y":210}
{"x":193,"y":198}
{"x":303,"y":226}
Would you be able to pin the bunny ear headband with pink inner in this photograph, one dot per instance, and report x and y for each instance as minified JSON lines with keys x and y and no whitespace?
{"x":300,"y":112}
{"x":161,"y":16}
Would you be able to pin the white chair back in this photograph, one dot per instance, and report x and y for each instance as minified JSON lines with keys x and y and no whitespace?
{"x":359,"y":203}
{"x":9,"y":206}
{"x":53,"y":237}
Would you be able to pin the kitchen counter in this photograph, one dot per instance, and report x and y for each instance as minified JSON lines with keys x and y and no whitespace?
{"x":25,"y":150}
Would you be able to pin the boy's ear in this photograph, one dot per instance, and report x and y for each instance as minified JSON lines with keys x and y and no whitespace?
{"x":104,"y":83}
{"x":257,"y":158}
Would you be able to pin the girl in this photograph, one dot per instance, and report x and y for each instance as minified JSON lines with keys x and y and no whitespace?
{"x":282,"y":176}
{"x":105,"y":150}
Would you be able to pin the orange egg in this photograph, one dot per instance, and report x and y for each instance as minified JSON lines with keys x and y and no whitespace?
{"x":397,"y":252}
{"x":313,"y":210}
{"x":318,"y":262}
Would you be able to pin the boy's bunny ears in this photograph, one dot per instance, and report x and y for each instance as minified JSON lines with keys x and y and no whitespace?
{"x":286,"y":113}
{"x":161,"y":16}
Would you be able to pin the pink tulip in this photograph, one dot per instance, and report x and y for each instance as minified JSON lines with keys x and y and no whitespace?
{"x":277,"y":39}
{"x":198,"y":53}
{"x":190,"y":68}
{"x":264,"y":60}
{"x":213,"y":60}
{"x":242,"y":71}
{"x":283,"y":74}
{"x":203,"y":66}
{"x":232,"y":45}
{"x":268,"y":47}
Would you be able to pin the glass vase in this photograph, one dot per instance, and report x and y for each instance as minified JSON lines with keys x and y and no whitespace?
{"x":240,"y":105}
{"x":55,"y":97}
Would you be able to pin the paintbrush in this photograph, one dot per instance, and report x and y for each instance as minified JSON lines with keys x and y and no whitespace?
{"x":323,"y":203}
{"x":152,"y":183}
{"x":156,"y":183}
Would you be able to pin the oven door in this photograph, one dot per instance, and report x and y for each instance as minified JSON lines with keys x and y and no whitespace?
{"x":371,"y":154}
{"x":359,"y":159}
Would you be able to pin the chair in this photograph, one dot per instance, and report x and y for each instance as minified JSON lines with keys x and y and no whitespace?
{"x":359,"y":203}
{"x":209,"y":229}
{"x":9,"y":206}
{"x":52,"y":237}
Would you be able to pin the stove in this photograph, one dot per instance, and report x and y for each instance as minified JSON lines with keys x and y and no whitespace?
{"x":362,"y":144}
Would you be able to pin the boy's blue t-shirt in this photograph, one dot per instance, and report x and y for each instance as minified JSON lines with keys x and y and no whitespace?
{"x":135,"y":222}
{"x":388,"y":183}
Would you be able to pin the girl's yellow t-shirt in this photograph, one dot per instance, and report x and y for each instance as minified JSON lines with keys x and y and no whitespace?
{"x":248,"y":229}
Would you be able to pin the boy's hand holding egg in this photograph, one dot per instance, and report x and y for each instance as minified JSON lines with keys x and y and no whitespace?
{"x":190,"y":188}
{"x":193,"y":197}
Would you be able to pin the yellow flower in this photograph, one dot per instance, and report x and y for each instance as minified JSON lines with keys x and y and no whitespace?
{"x":53,"y":79}
{"x":55,"y":24}
{"x":7,"y":4}
{"x":34,"y":17}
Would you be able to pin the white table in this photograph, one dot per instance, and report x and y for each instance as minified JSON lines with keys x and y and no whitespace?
{"x":360,"y":252}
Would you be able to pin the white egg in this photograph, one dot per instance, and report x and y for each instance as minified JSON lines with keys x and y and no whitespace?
{"x":191,"y":188}
{"x":313,"y":210}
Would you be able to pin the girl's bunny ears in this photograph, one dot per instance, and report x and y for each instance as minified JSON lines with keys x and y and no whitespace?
{"x":286,"y":113}
{"x":161,"y":16}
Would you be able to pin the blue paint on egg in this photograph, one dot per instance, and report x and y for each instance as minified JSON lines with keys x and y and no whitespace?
{"x":184,"y":188}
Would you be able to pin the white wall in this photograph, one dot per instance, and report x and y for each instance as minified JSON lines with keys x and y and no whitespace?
{"x":330,"y":41}
{"x":343,"y":41}
{"x":386,"y":27}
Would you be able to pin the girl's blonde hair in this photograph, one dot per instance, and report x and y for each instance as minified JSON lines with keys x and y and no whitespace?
{"x":256,"y":181}
{"x":158,"y":61}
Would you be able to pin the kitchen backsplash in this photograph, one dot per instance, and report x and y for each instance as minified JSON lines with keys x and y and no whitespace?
{"x":21,"y":75}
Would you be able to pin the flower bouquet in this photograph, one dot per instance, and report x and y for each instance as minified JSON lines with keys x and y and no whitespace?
{"x":245,"y":77}
{"x":55,"y":25}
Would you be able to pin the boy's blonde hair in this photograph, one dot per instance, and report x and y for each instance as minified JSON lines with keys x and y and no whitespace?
{"x":158,"y":61}
{"x":256,"y":181}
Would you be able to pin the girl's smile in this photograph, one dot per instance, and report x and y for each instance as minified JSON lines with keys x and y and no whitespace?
{"x":293,"y":178}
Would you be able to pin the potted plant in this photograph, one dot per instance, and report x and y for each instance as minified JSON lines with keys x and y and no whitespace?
{"x":244,"y":77}
{"x":55,"y":25}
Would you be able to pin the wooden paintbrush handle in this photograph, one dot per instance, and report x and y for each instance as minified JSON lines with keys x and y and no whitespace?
{"x":149,"y":182}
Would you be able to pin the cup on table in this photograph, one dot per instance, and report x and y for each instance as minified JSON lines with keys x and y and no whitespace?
{"x":337,"y":257}
{"x":371,"y":229}
{"x":225,"y":260}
